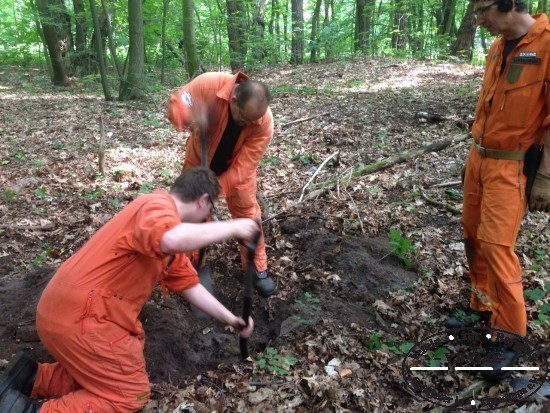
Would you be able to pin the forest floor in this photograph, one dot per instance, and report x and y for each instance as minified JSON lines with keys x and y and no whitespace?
{"x":348,"y":307}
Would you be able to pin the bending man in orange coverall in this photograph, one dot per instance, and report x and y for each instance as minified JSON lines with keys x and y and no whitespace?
{"x":87,"y":315}
{"x":512,"y":114}
{"x":234,"y":111}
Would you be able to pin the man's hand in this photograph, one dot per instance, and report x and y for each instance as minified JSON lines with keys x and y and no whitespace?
{"x":245,"y":331}
{"x":245,"y":228}
{"x":540,"y":193}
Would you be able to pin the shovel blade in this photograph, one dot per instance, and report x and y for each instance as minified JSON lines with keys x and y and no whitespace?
{"x":205,"y":278}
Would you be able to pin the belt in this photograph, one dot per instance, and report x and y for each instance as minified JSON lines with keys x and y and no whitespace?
{"x":498,"y":154}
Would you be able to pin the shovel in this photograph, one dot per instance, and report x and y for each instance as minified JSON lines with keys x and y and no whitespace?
{"x":205,"y":278}
{"x":249,"y":275}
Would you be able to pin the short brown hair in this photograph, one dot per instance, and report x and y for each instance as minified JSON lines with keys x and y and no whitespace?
{"x":194,"y":182}
{"x":252,"y":89}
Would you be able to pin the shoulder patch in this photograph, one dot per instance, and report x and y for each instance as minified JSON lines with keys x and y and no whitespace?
{"x":186,"y":98}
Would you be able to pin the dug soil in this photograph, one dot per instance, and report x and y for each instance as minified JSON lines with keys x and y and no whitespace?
{"x":180,"y":345}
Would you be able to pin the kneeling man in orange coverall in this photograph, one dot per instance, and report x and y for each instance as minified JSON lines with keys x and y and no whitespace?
{"x":233,"y":113}
{"x":87,"y":317}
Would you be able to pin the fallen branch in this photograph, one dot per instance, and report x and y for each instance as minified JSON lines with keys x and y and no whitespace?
{"x":45,"y":227}
{"x":445,"y":205}
{"x":284,"y":125}
{"x":290,"y":214}
{"x":447,"y":184}
{"x":468,"y":393}
{"x":101,"y":150}
{"x":393,"y":160}
{"x":315,"y":174}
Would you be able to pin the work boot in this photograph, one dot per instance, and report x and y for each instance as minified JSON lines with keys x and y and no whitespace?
{"x":467,"y":318}
{"x":498,"y":356}
{"x":19,"y":375}
{"x":264,"y":284}
{"x":14,"y":401}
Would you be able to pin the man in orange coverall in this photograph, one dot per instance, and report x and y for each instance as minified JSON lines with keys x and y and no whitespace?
{"x":87,"y":315}
{"x":234,"y":111}
{"x":512,"y":114}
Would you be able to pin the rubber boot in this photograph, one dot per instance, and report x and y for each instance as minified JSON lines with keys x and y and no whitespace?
{"x":14,"y":401}
{"x":468,"y":318}
{"x":264,"y":284}
{"x":498,"y":356}
{"x":19,"y":375}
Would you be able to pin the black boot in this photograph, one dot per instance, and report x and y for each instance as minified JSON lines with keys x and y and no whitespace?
{"x":19,"y":375}
{"x":14,"y":401}
{"x":498,"y":356}
{"x":264,"y":284}
{"x":467,"y":318}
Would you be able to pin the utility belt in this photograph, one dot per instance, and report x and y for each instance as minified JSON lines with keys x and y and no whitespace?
{"x":498,"y":153}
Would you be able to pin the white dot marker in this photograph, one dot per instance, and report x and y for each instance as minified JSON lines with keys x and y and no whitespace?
{"x":473,"y":402}
{"x":451,"y":338}
{"x":488,"y":336}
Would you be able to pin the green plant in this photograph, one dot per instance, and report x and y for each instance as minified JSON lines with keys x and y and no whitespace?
{"x":272,"y":160}
{"x":146,"y":188}
{"x":21,"y":156}
{"x":10,"y":194}
{"x":306,"y":306}
{"x":40,"y":192}
{"x":436,"y":357}
{"x":374,"y":342}
{"x":305,"y":159}
{"x":401,"y":246}
{"x":276,"y":363}
{"x":98,"y":193}
{"x":462,"y":315}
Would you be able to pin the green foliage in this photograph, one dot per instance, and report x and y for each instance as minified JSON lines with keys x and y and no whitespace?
{"x":402,"y":246}
{"x":306,"y":306}
{"x":94,"y":195}
{"x":462,"y":315}
{"x":375,"y":343}
{"x":10,"y":194}
{"x":534,"y":295}
{"x":272,"y":160}
{"x":437,"y":357}
{"x":146,"y":188}
{"x":40,"y":192}
{"x":274,"y":362}
{"x":306,"y":159}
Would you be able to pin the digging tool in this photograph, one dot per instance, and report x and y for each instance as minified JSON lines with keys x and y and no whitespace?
{"x":249,"y":275}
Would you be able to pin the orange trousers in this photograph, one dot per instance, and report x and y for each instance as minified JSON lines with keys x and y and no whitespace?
{"x":242,"y":203}
{"x":100,"y":367}
{"x":494,"y":205}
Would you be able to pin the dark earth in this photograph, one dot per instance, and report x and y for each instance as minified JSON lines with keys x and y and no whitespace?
{"x":180,"y":345}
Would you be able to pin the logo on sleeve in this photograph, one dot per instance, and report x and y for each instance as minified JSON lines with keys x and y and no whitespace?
{"x":186,"y":98}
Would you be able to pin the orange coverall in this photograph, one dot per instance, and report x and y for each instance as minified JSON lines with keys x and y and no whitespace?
{"x":87,"y":315}
{"x":238,"y":183}
{"x":511,"y":115}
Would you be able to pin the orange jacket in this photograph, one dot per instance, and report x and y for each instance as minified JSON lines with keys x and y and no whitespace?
{"x":213,"y":90}
{"x":122,"y":263}
{"x":512,"y":110}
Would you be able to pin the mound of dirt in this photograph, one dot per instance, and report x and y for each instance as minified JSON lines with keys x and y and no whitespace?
{"x":180,"y":346}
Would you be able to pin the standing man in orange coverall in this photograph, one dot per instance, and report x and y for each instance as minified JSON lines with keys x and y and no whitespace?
{"x":512,"y":114}
{"x":235,"y":112}
{"x":87,"y":315}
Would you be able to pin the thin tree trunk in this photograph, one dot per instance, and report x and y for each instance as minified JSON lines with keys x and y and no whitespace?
{"x":133,"y":86}
{"x":297,"y":52}
{"x":236,"y":30}
{"x":99,"y":52}
{"x":50,"y":13}
{"x":163,"y":38}
{"x":258,"y":28}
{"x":36,"y":18}
{"x":399,"y":37}
{"x":189,"y":40}
{"x":314,"y":41}
{"x":112,"y":46}
{"x":464,"y":43}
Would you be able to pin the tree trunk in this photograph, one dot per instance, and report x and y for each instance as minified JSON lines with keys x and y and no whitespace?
{"x":399,"y":37}
{"x":542,"y":6}
{"x":258,"y":29}
{"x":314,"y":39}
{"x":447,"y":24}
{"x":52,"y":11}
{"x":236,"y":31}
{"x":112,"y":45}
{"x":163,"y":39}
{"x":363,"y":14}
{"x":189,"y":40}
{"x":80,"y":55}
{"x":36,"y":18}
{"x":297,"y":51}
{"x":99,"y":52}
{"x":464,"y":43}
{"x":133,"y":87}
